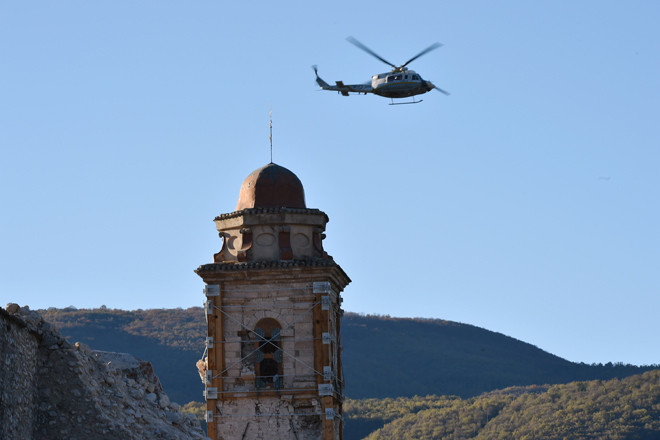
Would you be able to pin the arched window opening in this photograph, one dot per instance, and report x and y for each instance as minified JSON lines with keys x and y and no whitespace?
{"x":268,"y":357}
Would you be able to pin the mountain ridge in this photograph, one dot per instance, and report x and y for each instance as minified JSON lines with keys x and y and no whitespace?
{"x":383,"y":356}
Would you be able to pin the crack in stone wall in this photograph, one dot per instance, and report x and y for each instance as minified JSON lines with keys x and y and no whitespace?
{"x":268,"y":418}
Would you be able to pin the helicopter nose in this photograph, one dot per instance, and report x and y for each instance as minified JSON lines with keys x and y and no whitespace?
{"x":429,"y":86}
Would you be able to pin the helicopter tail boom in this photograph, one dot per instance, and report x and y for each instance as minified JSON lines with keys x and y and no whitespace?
{"x":324,"y":85}
{"x":342,"y":88}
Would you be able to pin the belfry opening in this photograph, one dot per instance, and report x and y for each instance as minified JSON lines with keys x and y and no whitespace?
{"x":272,"y":366}
{"x":268,"y":357}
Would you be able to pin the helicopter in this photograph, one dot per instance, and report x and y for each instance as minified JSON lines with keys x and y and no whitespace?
{"x":399,"y":83}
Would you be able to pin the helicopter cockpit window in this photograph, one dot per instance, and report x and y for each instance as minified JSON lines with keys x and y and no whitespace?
{"x":382,"y":75}
{"x":405,"y":76}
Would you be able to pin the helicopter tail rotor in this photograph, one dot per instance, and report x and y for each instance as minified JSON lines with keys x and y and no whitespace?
{"x":319,"y":81}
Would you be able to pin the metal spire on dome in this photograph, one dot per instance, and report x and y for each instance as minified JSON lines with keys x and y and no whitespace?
{"x":271,"y":133}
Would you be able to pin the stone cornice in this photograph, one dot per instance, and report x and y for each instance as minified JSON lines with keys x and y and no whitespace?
{"x":216,"y":267}
{"x":271,"y":211}
{"x":274,"y":271}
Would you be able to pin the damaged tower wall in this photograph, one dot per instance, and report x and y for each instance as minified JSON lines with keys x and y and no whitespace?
{"x":293,"y":408}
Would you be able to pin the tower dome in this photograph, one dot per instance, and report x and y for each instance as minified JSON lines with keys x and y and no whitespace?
{"x":271,"y":186}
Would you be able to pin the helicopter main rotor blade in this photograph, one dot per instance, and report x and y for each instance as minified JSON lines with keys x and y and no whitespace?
{"x":369,"y":51}
{"x":424,"y":52}
{"x":444,"y":92}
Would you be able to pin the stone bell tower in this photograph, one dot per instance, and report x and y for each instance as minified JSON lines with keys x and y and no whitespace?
{"x":273,"y":366}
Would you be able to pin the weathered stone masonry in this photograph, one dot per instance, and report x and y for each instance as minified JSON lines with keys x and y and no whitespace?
{"x":51,"y":389}
{"x":18,"y":373}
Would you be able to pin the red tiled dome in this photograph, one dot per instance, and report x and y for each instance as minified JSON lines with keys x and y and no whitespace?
{"x":271,"y":186}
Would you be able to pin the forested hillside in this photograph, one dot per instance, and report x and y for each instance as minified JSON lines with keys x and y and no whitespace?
{"x":383,"y":356}
{"x":615,"y":409}
{"x":392,"y":357}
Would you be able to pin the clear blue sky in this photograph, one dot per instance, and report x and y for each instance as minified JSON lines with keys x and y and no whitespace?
{"x":525,"y":203}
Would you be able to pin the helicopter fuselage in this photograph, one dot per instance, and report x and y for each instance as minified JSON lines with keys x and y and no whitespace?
{"x":402,"y":84}
{"x":399,"y":84}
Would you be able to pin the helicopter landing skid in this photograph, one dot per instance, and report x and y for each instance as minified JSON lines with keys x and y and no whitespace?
{"x":403,"y":103}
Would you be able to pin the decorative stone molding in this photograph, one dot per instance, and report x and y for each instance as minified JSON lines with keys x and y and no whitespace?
{"x":246,"y":245}
{"x":221,"y":256}
{"x":318,"y":243}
